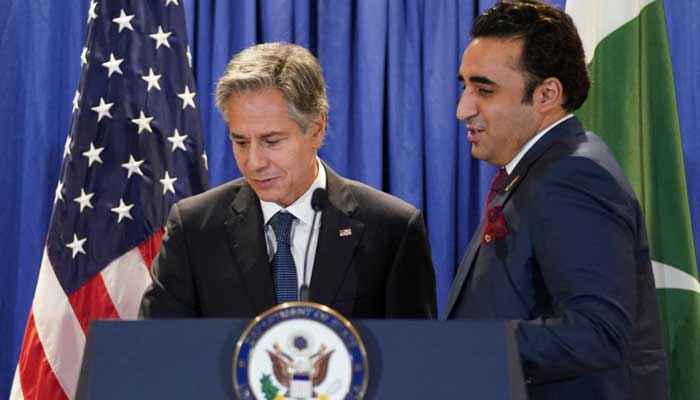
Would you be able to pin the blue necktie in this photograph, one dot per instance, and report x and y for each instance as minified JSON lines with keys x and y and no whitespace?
{"x":284,"y":272}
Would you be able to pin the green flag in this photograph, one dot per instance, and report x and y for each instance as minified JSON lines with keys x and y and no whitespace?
{"x":632,"y":106}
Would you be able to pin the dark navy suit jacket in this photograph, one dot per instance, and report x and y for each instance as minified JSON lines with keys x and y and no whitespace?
{"x":573,"y":271}
{"x":213,"y":260}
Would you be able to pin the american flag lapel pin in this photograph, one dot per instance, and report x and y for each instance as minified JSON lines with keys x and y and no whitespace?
{"x":345,"y":232}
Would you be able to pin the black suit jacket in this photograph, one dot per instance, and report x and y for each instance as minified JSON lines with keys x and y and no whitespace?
{"x":574,"y":271}
{"x":213,"y":260}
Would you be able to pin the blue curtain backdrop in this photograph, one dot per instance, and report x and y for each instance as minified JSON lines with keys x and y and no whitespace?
{"x":390,"y":67}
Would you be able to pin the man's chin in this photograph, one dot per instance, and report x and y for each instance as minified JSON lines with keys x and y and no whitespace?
{"x":476,"y":153}
{"x":271,"y":196}
{"x":264,"y":193}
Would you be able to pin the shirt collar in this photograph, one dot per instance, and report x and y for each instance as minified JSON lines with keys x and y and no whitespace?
{"x":514,"y":162}
{"x":301,"y":208}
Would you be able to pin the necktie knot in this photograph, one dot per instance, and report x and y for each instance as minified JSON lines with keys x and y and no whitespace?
{"x":281,"y":223}
{"x":499,"y":180}
{"x":496,"y":185}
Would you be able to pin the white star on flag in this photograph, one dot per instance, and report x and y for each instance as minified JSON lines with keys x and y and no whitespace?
{"x":177,"y":141}
{"x":152,"y":80}
{"x":84,"y":199}
{"x":187,"y":98}
{"x":161,"y":37}
{"x":66,"y":147}
{"x":122,"y":211}
{"x":189,"y":56}
{"x":102,"y":110}
{"x":143,"y":122}
{"x":206,"y":160}
{"x":77,"y":245}
{"x":133,"y":166}
{"x":93,"y":154}
{"x":76,"y":99}
{"x":167,"y":182}
{"x":91,"y":13}
{"x":124,"y":21}
{"x":58,"y":196}
{"x":83,"y":56}
{"x":168,"y":2}
{"x":113,"y":65}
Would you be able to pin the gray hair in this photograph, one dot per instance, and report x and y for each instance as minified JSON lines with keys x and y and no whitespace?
{"x":288,"y":67}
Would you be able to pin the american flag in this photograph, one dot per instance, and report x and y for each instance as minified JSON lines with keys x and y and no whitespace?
{"x":133,"y":150}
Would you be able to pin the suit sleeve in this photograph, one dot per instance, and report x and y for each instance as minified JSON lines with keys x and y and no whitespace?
{"x":172,"y":293}
{"x":410,"y":291}
{"x":584,"y":232}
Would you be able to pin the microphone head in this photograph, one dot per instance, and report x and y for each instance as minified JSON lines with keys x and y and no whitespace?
{"x":319,"y":199}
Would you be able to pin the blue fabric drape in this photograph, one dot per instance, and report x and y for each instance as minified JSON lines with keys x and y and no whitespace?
{"x":390,"y":67}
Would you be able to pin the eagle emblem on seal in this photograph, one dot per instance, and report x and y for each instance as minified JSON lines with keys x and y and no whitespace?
{"x":302,"y":372}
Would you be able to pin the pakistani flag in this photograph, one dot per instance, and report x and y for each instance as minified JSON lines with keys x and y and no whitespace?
{"x":632,"y":106}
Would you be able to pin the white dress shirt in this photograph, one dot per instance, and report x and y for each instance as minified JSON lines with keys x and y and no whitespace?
{"x":301,"y":226}
{"x":514,"y":162}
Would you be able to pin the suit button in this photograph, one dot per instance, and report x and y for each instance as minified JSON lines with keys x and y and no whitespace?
{"x":487,"y":238}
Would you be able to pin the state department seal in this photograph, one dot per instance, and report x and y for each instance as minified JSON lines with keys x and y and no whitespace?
{"x":300,"y":350}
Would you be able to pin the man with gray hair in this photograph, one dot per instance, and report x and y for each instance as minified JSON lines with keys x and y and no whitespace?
{"x":239,"y":249}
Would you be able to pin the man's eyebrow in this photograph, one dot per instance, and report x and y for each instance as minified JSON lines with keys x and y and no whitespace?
{"x":481,"y":79}
{"x":264,"y":136}
{"x":272,"y":134}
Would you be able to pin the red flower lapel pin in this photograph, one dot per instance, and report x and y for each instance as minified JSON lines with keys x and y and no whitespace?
{"x":495,"y":225}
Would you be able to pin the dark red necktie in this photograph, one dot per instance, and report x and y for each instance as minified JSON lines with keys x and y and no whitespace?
{"x":496,"y":184}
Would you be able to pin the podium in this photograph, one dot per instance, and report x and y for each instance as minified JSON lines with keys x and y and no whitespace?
{"x":408,"y":359}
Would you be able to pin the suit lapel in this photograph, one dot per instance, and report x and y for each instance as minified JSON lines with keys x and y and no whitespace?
{"x":339,"y":235}
{"x":569,"y":127}
{"x":247,"y":241}
{"x":464,"y":267}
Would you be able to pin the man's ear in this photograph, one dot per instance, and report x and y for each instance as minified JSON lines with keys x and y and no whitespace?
{"x":317,"y":129}
{"x":549,"y":95}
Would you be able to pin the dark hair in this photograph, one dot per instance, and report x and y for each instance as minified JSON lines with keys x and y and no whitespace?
{"x":288,"y":67}
{"x":551,"y":45}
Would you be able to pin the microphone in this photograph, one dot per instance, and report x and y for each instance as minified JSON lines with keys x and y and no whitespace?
{"x":318,"y":202}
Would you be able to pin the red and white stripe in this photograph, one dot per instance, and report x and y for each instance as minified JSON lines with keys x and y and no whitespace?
{"x":54,"y":339}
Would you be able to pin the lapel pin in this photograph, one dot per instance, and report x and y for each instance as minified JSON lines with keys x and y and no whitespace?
{"x":345,"y":232}
{"x":510,"y":185}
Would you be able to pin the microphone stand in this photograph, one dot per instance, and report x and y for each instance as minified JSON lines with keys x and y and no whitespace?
{"x":318,"y":203}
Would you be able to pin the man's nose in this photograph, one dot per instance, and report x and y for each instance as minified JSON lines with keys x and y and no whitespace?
{"x":466,"y":108}
{"x":257,"y":159}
